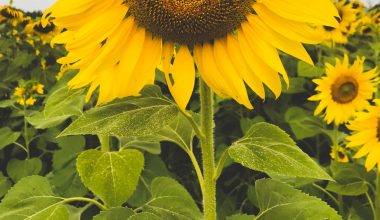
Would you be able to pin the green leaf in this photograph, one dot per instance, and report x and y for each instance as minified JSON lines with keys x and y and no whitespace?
{"x":32,"y":198}
{"x":136,"y":116}
{"x":148,"y":143}
{"x":154,"y":167}
{"x":18,"y":169}
{"x":170,"y":200}
{"x":179,"y":132}
{"x":144,"y":216}
{"x":280,"y":201}
{"x":115,"y":214}
{"x":307,"y":70}
{"x":269,"y":149}
{"x":7,"y":137}
{"x":351,"y":179}
{"x":296,"y":85}
{"x":61,"y":104}
{"x":65,"y":176}
{"x":112,"y":176}
{"x":303,"y":123}
{"x":241,"y":217}
{"x":5,"y":184}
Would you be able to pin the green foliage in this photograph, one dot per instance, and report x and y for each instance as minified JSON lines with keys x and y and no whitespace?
{"x":32,"y":198}
{"x":115,"y":214}
{"x":137,"y":116}
{"x":112,"y":176}
{"x":7,"y":137}
{"x":267,"y":148}
{"x":171,"y":201}
{"x":18,"y":169}
{"x":277,"y":200}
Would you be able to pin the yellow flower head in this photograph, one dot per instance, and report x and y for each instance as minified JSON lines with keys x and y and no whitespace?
{"x":117,"y":44}
{"x":348,"y":14}
{"x":39,"y":88}
{"x":340,"y":153}
{"x":344,"y":90}
{"x":11,"y":14}
{"x":19,"y":92}
{"x":21,"y":101}
{"x":45,"y":33}
{"x":30,"y":101}
{"x":1,"y":56}
{"x":366,"y":135}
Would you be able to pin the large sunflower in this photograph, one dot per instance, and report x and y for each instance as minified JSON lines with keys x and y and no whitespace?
{"x":344,"y":90}
{"x":366,"y":134}
{"x":117,"y":44}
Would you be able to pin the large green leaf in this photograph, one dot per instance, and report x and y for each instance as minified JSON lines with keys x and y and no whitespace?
{"x":278,"y":200}
{"x":351,"y":179}
{"x":32,"y":198}
{"x":5,"y":184}
{"x":179,"y":132}
{"x":303,"y":123}
{"x":18,"y":169}
{"x":65,"y":176}
{"x":171,"y":201}
{"x":7,"y":137}
{"x":112,"y":176}
{"x":115,"y":214}
{"x":154,"y":167}
{"x":135,"y":116}
{"x":145,"y":216}
{"x":61,"y":104}
{"x":269,"y":149}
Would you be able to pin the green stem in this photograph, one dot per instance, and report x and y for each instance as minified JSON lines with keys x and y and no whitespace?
{"x":104,"y":143}
{"x":83,"y":199}
{"x":377,"y":197}
{"x":26,"y":137}
{"x":197,"y":168}
{"x":207,"y":145}
{"x":371,"y":204}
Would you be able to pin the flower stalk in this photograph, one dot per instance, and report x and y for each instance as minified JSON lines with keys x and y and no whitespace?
{"x":207,"y":145}
{"x":377,"y":197}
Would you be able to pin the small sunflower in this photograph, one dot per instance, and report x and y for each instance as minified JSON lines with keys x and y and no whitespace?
{"x":11,"y":14}
{"x":117,"y":44}
{"x":344,"y":90}
{"x":341,"y":154}
{"x":348,"y":14}
{"x":45,"y":33}
{"x":366,"y":135}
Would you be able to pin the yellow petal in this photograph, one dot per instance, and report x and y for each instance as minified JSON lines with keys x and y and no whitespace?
{"x":183,"y":75}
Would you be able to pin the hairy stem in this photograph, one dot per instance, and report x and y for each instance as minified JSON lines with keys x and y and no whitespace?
{"x":207,"y":145}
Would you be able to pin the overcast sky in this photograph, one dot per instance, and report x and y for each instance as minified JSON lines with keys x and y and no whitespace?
{"x":32,"y":5}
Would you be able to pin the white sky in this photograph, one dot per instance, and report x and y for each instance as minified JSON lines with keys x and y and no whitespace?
{"x":33,"y":5}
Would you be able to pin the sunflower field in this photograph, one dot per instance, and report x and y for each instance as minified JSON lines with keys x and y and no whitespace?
{"x":190,"y":110}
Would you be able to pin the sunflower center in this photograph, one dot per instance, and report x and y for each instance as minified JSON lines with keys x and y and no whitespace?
{"x":344,"y":89}
{"x":190,"y":22}
{"x":44,"y":30}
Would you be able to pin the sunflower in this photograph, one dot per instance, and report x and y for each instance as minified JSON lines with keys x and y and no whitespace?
{"x":348,"y":12}
{"x":341,"y":154}
{"x":117,"y":44}
{"x":366,"y":134}
{"x":344,"y":90}
{"x":13,"y":15}
{"x":45,"y":33}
